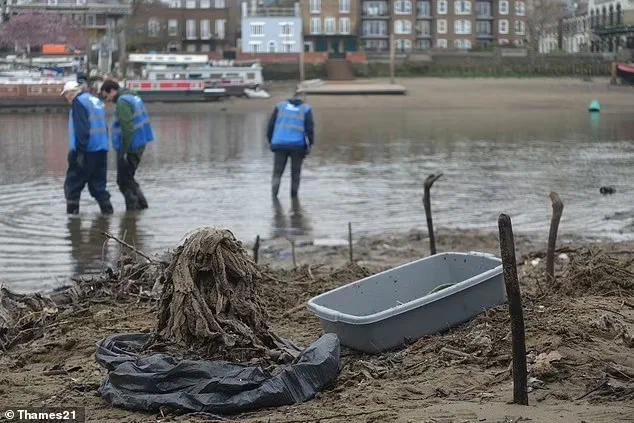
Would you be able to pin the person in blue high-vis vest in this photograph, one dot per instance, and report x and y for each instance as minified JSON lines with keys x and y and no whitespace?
{"x":88,"y":149}
{"x":291,"y":134}
{"x":131,"y":132}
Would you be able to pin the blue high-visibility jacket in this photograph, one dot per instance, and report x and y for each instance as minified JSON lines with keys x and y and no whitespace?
{"x":143,"y":133}
{"x":98,"y":134}
{"x":289,"y":130}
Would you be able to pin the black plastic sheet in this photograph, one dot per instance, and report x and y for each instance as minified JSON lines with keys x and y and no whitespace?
{"x":160,"y":380}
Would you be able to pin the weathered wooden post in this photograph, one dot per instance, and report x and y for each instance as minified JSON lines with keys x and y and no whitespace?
{"x":256,"y":249}
{"x":350,"y":242}
{"x":558,"y":208}
{"x":507,"y":250}
{"x":427,"y":203}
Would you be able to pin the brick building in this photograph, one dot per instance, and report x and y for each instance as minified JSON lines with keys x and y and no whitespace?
{"x":181,"y":26}
{"x":419,"y":25}
{"x":330,"y":25}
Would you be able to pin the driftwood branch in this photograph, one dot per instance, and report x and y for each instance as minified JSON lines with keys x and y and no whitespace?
{"x":256,"y":249}
{"x":293,"y":310}
{"x":558,"y":208}
{"x":507,"y":250}
{"x":427,"y":204}
{"x":125,"y":244}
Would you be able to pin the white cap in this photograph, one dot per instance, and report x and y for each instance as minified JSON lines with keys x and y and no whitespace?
{"x":70,"y":86}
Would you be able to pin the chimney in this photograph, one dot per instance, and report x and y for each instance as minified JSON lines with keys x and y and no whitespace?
{"x":245,"y":10}
{"x":297,"y":9}
{"x":254,"y":7}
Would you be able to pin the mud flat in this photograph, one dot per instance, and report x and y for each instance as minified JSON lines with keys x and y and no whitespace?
{"x":579,"y":340}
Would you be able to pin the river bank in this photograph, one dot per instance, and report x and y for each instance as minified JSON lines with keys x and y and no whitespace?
{"x":579,"y":337}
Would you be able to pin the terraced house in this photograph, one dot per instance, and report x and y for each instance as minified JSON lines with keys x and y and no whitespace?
{"x":419,"y":25}
{"x":330,"y":25}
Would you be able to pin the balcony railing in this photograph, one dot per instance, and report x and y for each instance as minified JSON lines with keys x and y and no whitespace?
{"x":376,"y":15}
{"x":374,"y":35}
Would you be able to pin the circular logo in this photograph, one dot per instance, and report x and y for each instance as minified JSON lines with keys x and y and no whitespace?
{"x":9,"y":414}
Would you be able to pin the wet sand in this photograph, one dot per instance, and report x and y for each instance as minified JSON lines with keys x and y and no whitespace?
{"x":421,"y":383}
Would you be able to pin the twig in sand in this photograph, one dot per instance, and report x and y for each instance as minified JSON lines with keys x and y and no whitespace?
{"x":292,"y":241}
{"x":605,"y":382}
{"x":256,"y":249}
{"x":629,"y":304}
{"x":460,"y":354}
{"x":295,"y":309}
{"x":350,"y":242}
{"x":558,"y":208}
{"x":125,"y":244}
{"x":310,"y":274}
{"x":427,"y":204}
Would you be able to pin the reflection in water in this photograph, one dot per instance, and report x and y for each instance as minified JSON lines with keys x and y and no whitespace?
{"x":88,"y":250}
{"x":299,"y":220}
{"x":212,"y":168}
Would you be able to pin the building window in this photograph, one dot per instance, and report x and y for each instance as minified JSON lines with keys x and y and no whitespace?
{"x":153,"y":27}
{"x":503,"y":26}
{"x":329,"y":25}
{"x":375,"y":8}
{"x":78,"y":18}
{"x":442,"y":7}
{"x":287,"y":29}
{"x":315,"y":6}
{"x":441,"y":43}
{"x":344,"y":25}
{"x":344,"y":6}
{"x":520,"y":28}
{"x":205,"y":4}
{"x":190,"y":4}
{"x":520,"y":8}
{"x":220,"y":4}
{"x":424,"y":9}
{"x":423,"y":28}
{"x":191,"y":48}
{"x":254,"y":46}
{"x":519,"y":43}
{"x":504,"y":7}
{"x":462,"y":44}
{"x":172,"y":47}
{"x":220,"y":29}
{"x":423,"y":44}
{"x":462,"y":7}
{"x":483,"y":9}
{"x":403,"y":7}
{"x":402,"y":27}
{"x":91,"y":20}
{"x":375,"y":28}
{"x":375,"y":45}
{"x":483,"y":28}
{"x":205,"y":48}
{"x":271,"y":48}
{"x":176,"y":4}
{"x":172,"y":27}
{"x":80,"y":2}
{"x":462,"y":27}
{"x":441,"y":26}
{"x":191,"y":29}
{"x":52,"y":2}
{"x":315,"y":25}
{"x":504,"y":41}
{"x":257,"y":30}
{"x":288,"y":46}
{"x":205,"y":29}
{"x":403,"y":46}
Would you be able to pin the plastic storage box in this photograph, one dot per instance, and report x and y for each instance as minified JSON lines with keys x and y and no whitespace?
{"x":398,"y":306}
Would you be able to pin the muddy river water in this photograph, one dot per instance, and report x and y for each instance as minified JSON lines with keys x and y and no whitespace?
{"x":212,"y":167}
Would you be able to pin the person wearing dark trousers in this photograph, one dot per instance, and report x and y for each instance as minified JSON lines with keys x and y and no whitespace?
{"x":131,"y":132}
{"x":88,"y":149}
{"x":291,"y":135}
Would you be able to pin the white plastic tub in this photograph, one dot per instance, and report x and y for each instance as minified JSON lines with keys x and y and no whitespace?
{"x":396,"y":307}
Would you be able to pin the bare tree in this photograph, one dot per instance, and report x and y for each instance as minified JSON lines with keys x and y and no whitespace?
{"x":542,"y":17}
{"x":35,"y":29}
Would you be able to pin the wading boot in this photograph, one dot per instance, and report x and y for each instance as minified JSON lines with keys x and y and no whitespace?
{"x":106,"y":207}
{"x":72,"y":207}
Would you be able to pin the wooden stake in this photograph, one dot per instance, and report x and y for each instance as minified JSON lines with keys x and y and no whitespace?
{"x":292,"y":241}
{"x":427,"y":203}
{"x":507,"y":250}
{"x":302,"y":71}
{"x":256,"y":249}
{"x":558,"y":208}
{"x":350,"y":242}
